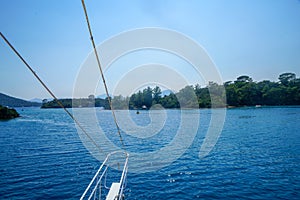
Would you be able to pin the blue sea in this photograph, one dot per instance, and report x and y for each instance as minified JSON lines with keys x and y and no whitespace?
{"x":257,"y":155}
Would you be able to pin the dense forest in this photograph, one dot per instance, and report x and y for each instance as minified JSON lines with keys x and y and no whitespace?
{"x":241,"y":92}
{"x":245,"y":92}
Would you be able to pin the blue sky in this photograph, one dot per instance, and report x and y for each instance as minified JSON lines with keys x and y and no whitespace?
{"x":257,"y":38}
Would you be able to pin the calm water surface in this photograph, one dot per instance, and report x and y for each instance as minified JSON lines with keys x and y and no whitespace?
{"x":256,"y":157}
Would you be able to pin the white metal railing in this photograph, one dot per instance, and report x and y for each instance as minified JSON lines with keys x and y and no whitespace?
{"x":97,"y":188}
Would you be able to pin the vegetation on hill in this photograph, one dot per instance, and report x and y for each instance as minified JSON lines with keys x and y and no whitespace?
{"x":8,"y":113}
{"x":245,"y":92}
{"x":77,"y":103}
{"x":241,"y":92}
{"x":9,"y":101}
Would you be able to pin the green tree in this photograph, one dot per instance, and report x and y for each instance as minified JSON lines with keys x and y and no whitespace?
{"x":170,"y":101}
{"x":244,"y":79}
{"x":286,"y":78}
{"x":147,"y":97}
{"x":217,"y":94}
{"x":136,"y":100}
{"x":264,"y":87}
{"x":119,"y":102}
{"x":243,"y":92}
{"x":231,"y":94}
{"x":203,"y":96}
{"x":187,"y":97}
{"x":132,"y":101}
{"x":274,"y":96}
{"x":156,"y":95}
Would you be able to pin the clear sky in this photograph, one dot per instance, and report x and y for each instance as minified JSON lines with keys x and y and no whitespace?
{"x":259,"y":38}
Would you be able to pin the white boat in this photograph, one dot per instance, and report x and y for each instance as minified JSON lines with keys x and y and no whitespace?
{"x":100,"y":187}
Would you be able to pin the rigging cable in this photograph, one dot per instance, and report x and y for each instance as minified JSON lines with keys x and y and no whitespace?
{"x":102,"y":74}
{"x":50,"y":92}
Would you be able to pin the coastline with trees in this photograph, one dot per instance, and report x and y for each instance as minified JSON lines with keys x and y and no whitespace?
{"x":241,"y":92}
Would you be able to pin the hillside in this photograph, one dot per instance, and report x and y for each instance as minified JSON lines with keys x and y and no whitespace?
{"x":9,"y":101}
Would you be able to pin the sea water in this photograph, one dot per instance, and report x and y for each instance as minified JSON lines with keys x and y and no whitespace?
{"x":257,"y":155}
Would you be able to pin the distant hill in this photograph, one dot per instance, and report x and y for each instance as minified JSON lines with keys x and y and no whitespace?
{"x":37,"y":100}
{"x":104,"y":96}
{"x":9,"y":101}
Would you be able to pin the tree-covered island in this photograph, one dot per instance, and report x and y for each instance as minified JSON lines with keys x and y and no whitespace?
{"x":241,"y":92}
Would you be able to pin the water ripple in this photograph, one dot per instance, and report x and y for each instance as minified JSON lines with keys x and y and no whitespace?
{"x":256,"y":157}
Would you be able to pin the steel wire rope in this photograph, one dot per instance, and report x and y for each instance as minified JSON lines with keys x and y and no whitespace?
{"x":50,"y":92}
{"x":101,"y":72}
